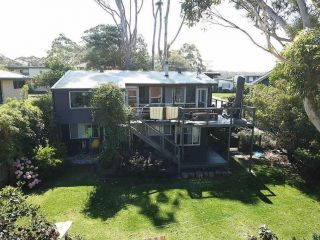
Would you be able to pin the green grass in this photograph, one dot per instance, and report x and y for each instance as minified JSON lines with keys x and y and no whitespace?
{"x":221,"y":208}
{"x":224,"y":96}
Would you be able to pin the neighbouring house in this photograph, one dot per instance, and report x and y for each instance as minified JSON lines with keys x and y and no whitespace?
{"x":221,"y":84}
{"x":264,"y":79}
{"x":31,"y":72}
{"x":11,"y":84}
{"x":251,"y":78}
{"x":174,"y":114}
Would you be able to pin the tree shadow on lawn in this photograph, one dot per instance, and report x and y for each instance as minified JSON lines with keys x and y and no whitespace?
{"x":160,"y":199}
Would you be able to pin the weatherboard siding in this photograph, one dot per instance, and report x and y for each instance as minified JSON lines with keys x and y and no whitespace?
{"x":64,"y":114}
{"x":8,"y":90}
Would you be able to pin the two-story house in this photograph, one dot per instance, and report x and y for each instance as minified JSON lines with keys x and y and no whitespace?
{"x":174,"y":113}
{"x":11,"y":84}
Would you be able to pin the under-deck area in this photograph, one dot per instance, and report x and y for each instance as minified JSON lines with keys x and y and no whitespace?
{"x":199,"y":158}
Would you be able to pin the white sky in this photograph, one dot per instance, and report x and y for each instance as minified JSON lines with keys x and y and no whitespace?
{"x":29,"y":26}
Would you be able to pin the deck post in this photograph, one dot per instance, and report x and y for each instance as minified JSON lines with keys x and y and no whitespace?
{"x":251,"y":149}
{"x":229,"y":137}
{"x":252,"y":136}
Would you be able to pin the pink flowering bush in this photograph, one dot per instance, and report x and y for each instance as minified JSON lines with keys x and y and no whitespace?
{"x":26,"y":173}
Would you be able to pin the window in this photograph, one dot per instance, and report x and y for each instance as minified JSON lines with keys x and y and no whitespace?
{"x":164,"y":129}
{"x":132,"y":94}
{"x":144,"y":95}
{"x":190,"y":94}
{"x":18,"y":84}
{"x":191,"y":135}
{"x":84,"y":131}
{"x":155,"y":94}
{"x":179,"y":95}
{"x":80,"y":99}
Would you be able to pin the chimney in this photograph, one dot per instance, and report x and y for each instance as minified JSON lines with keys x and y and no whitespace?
{"x":101,"y":69}
{"x":179,"y":70}
{"x":166,"y":69}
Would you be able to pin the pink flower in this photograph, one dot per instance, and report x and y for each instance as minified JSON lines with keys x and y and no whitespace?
{"x":28,"y":176}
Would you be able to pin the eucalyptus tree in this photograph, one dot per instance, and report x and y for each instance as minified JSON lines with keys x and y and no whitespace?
{"x":292,"y":25}
{"x":125,"y":15}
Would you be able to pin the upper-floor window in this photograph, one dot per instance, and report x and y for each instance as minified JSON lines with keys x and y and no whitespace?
{"x":190,"y":94}
{"x":132,"y":94}
{"x":80,"y":99}
{"x":18,"y":84}
{"x":179,"y":95}
{"x":155,"y":94}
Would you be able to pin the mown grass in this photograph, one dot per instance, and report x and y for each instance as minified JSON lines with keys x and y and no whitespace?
{"x":220,"y":208}
{"x":223,"y":96}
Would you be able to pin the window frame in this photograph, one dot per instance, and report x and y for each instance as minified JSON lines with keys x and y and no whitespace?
{"x":150,"y":98}
{"x":137,"y":95}
{"x":178,"y":134}
{"x":78,"y":91}
{"x":18,"y":81}
{"x":92,"y":137}
{"x":184,"y":95}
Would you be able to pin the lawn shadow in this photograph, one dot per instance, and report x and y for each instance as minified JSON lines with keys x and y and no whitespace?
{"x":160,"y":199}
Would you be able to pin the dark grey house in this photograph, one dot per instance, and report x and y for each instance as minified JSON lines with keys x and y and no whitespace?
{"x":174,"y":114}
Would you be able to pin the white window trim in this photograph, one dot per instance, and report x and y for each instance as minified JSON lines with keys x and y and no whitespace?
{"x":184,"y":93}
{"x":154,"y":97}
{"x":137,"y":96}
{"x":185,"y":97}
{"x":70,"y":100}
{"x":188,"y":145}
{"x":99,"y":133}
{"x":197,"y":96}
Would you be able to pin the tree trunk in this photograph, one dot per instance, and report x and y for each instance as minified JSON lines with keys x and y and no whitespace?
{"x":155,"y":18}
{"x":311,"y":113}
{"x":304,"y":13}
{"x":166,"y":20}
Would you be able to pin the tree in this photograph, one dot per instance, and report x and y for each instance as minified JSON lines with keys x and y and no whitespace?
{"x":280,"y":22}
{"x":57,"y":70}
{"x":125,"y":16}
{"x":21,"y":127}
{"x":109,"y":111}
{"x":187,"y":58}
{"x":65,"y":50}
{"x":163,"y":52}
{"x":103,"y":44}
{"x":103,"y":47}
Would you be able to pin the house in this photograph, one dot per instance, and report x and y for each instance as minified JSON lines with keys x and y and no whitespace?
{"x":264,"y":79}
{"x":251,"y":78}
{"x":11,"y":84}
{"x":173,"y":114}
{"x":221,"y":84}
{"x":31,"y":72}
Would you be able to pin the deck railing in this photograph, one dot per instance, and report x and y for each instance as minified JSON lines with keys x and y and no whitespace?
{"x":210,"y":114}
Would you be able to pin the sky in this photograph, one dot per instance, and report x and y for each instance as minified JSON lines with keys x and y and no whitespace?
{"x":28,"y":28}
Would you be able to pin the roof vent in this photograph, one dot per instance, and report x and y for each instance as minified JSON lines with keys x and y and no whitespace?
{"x":101,"y":69}
{"x":179,"y":70}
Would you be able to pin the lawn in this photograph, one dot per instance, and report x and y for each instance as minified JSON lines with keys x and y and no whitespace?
{"x":222,"y":208}
{"x":223,"y":96}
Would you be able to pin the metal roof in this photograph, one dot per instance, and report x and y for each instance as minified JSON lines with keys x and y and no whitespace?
{"x":92,"y":79}
{"x":5,"y":75}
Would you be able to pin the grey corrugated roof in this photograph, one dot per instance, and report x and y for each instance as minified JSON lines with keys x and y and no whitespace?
{"x":92,"y":79}
{"x":5,"y":75}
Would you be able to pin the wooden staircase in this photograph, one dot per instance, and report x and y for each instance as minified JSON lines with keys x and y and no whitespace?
{"x":159,"y":142}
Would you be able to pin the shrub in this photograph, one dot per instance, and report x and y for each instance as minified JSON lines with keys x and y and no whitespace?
{"x":266,"y":234}
{"x":47,"y":158}
{"x":26,"y":173}
{"x":308,"y":160}
{"x":20,"y":220}
{"x":245,"y":139}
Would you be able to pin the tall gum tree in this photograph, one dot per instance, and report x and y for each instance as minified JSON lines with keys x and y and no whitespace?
{"x":280,"y":22}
